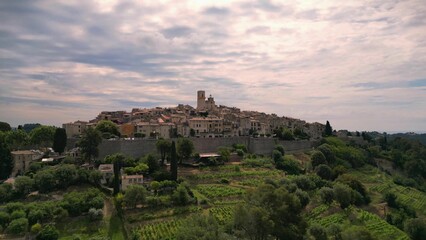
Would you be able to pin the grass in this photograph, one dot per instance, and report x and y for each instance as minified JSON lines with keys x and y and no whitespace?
{"x":116,"y":230}
{"x":80,"y":226}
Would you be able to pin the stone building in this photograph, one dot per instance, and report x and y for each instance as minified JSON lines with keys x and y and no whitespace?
{"x":160,"y":130}
{"x":22,"y":160}
{"x":127,"y":180}
{"x":74,"y":129}
{"x":207,"y":126}
{"x":203,"y":104}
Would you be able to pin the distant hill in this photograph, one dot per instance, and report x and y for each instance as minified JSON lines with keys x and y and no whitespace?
{"x":413,"y":136}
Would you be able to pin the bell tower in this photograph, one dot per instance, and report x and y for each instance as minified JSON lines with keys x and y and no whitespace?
{"x":201,"y":99}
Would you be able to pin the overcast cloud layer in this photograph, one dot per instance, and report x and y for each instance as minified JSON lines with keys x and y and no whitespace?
{"x":359,"y":64}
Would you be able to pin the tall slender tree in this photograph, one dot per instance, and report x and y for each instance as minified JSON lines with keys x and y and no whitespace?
{"x":6,"y":161}
{"x":328,"y":130}
{"x":59,"y":140}
{"x":173,"y":161}
{"x":163,"y":146}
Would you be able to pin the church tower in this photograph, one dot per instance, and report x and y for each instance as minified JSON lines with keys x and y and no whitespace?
{"x":201,"y":100}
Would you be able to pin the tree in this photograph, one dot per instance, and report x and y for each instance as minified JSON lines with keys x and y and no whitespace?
{"x":192,"y":132}
{"x":173,"y":162}
{"x":289,"y":164}
{"x":48,"y":232}
{"x":18,"y":226}
{"x":89,"y":144}
{"x":5,"y":192}
{"x":107,"y":126}
{"x":28,"y":127}
{"x":326,"y":195}
{"x":117,"y":161}
{"x":343,"y":194}
{"x":138,"y":169}
{"x":135,"y":194}
{"x":4,"y":219}
{"x":59,"y":140}
{"x":324,"y":172}
{"x":36,"y":228}
{"x":303,"y":197}
{"x":318,"y":232}
{"x":163,"y":147}
{"x":5,"y":127}
{"x":280,"y":148}
{"x":6,"y":161}
{"x":185,"y":147}
{"x":17,"y":139}
{"x":326,"y":149}
{"x":45,"y":180}
{"x":155,"y":185}
{"x":66,"y":174}
{"x":287,"y":135}
{"x":95,"y":214}
{"x":416,"y":228}
{"x":328,"y":129}
{"x":252,"y":222}
{"x":181,"y":196}
{"x":224,"y":153}
{"x":17,"y":214}
{"x":23,"y":185}
{"x":42,"y":136}
{"x":270,"y":211}
{"x":317,"y":158}
{"x":152,"y":163}
{"x":199,"y":227}
{"x":357,"y":232}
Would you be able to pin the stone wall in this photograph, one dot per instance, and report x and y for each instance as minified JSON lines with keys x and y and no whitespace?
{"x":141,"y":147}
{"x":266,"y":145}
{"x":209,"y":145}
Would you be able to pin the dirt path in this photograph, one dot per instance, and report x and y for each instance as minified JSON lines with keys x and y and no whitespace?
{"x":108,"y":208}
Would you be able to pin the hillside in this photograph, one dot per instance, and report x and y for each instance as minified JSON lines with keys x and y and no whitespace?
{"x":412,"y":136}
{"x":338,"y":190}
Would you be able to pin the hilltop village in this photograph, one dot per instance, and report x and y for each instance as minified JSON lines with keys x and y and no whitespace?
{"x":207,"y":120}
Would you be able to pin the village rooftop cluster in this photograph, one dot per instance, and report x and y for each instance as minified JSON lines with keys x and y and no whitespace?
{"x":207,"y":120}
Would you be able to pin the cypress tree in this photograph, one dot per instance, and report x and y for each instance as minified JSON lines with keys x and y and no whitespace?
{"x":59,"y":140}
{"x":328,"y":129}
{"x":173,"y":162}
{"x":6,"y":161}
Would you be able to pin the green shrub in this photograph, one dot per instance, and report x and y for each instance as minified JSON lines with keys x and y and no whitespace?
{"x":224,"y":181}
{"x":18,"y":226}
{"x":240,"y":152}
{"x":18,"y":214}
{"x":36,"y":228}
{"x":49,"y":232}
{"x":317,"y":158}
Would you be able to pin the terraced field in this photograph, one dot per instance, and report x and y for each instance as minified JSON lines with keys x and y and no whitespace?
{"x":222,"y":214}
{"x":165,"y":230}
{"x":379,"y":227}
{"x":378,"y":182}
{"x":218,"y":191}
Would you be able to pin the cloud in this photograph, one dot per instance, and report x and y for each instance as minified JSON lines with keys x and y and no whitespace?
{"x":216,"y":11}
{"x":384,"y":85}
{"x":177,"y":31}
{"x":334,"y":60}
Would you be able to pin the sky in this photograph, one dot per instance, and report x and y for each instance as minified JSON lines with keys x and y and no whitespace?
{"x":359,"y":64}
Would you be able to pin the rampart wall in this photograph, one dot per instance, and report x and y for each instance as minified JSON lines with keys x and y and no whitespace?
{"x":141,"y":147}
